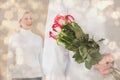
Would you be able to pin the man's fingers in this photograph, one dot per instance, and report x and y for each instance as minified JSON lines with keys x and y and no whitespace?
{"x":104,"y":67}
{"x":105,"y":72}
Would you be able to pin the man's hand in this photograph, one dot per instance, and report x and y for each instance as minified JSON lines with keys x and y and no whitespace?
{"x":105,"y":66}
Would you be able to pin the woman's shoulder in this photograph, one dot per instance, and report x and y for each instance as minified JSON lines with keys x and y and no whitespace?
{"x":38,"y":37}
{"x":14,"y":37}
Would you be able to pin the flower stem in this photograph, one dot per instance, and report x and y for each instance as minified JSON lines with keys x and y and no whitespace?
{"x":116,"y":73}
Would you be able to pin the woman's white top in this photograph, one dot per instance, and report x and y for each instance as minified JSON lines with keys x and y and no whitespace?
{"x":58,"y":63}
{"x":25,"y":55}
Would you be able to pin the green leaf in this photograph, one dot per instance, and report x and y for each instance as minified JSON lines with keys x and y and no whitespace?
{"x":88,"y":62}
{"x":78,"y":57}
{"x":83,"y":51}
{"x":101,"y":40}
{"x":76,"y":42}
{"x":92,"y":45}
{"x":85,"y":38}
{"x":77,"y":29}
{"x":70,"y":47}
{"x":96,"y":56}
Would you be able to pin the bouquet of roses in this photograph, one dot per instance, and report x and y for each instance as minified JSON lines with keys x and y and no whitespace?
{"x":69,"y":34}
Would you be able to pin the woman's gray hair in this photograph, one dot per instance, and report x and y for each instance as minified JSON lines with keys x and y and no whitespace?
{"x":21,"y":13}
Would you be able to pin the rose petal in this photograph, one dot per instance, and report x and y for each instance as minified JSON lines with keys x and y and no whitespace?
{"x":59,"y":19}
{"x":52,"y":35}
{"x":69,"y":18}
{"x":55,"y":27}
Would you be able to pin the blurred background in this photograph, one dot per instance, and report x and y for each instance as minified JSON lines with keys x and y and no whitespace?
{"x":9,"y":24}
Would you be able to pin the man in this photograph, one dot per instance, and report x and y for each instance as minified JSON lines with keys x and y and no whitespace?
{"x":58,"y":63}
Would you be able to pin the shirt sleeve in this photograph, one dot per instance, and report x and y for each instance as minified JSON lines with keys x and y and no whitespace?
{"x":10,"y":57}
{"x":55,"y":57}
{"x":40,"y":54}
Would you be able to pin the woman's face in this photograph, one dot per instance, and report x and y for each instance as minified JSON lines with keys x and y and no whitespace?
{"x":26,"y":21}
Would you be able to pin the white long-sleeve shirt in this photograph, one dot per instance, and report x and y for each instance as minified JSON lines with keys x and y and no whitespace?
{"x":25,"y":55}
{"x":58,"y":63}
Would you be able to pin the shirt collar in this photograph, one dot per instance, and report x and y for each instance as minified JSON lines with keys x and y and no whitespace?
{"x":25,"y":32}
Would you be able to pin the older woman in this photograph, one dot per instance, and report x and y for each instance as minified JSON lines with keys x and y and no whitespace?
{"x":25,"y":51}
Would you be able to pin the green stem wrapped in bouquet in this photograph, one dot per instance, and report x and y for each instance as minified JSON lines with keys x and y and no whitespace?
{"x":69,"y":34}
